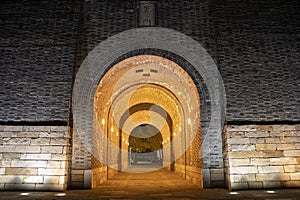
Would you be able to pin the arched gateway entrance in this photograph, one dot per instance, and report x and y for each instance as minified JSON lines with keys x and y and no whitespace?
{"x":151,"y":77}
{"x":145,"y":146}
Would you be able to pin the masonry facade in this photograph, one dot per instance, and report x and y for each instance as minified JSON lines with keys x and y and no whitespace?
{"x":254,"y":47}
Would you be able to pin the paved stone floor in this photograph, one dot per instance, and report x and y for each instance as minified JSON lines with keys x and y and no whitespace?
{"x":159,"y":184}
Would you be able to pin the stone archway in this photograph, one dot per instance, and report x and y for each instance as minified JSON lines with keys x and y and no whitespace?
{"x":145,"y":146}
{"x":152,"y":90}
{"x":197,"y":63}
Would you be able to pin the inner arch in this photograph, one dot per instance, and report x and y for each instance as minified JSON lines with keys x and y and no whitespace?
{"x":145,"y":146}
{"x":146,"y":106}
{"x":161,"y":41}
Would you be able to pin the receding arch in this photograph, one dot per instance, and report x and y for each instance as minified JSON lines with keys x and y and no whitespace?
{"x":145,"y":145}
{"x":100,"y":60}
{"x":146,"y":106}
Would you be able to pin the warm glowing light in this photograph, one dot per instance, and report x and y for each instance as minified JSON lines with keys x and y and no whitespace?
{"x":24,"y":194}
{"x":164,"y":103}
{"x":189,"y":121}
{"x":271,"y":192}
{"x":233,"y":193}
{"x":60,"y":195}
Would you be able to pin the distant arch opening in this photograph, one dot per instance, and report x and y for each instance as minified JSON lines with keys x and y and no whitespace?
{"x":145,"y":146}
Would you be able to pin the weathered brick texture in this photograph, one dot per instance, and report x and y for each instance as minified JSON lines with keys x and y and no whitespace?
{"x":255,"y":46}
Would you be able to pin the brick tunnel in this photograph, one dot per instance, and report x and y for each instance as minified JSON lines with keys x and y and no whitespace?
{"x":142,"y":91}
{"x":149,"y":88}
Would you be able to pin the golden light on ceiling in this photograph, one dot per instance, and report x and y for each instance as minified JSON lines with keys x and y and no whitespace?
{"x":146,"y":79}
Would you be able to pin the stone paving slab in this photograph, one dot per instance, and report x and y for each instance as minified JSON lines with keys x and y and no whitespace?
{"x":160,"y":184}
{"x":209,"y":194}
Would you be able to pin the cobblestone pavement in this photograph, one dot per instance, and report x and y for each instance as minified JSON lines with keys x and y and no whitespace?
{"x":159,"y":184}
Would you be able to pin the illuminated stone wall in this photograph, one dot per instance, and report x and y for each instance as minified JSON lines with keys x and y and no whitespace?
{"x":168,"y":43}
{"x":189,"y":165}
{"x":263,"y":156}
{"x":34,"y":157}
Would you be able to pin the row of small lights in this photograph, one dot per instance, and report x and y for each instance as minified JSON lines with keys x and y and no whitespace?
{"x":269,"y":192}
{"x":112,"y":130}
{"x":165,"y":141}
{"x":168,"y":139}
{"x":56,"y":195}
{"x":126,"y":142}
{"x":64,"y":194}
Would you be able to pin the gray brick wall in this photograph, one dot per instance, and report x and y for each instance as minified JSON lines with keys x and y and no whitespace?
{"x":37,"y":43}
{"x":258,"y":55}
{"x":255,"y":45}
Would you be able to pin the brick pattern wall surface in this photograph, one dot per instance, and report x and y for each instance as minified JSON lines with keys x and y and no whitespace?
{"x":189,"y":165}
{"x":263,"y":156}
{"x":38,"y":42}
{"x":203,"y":22}
{"x":34,"y":157}
{"x":256,"y":48}
{"x":255,"y":45}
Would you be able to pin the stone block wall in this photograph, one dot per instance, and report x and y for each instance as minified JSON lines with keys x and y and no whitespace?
{"x":34,"y":157}
{"x":99,"y":175}
{"x":263,"y":156}
{"x":213,"y":178}
{"x":192,"y":174}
